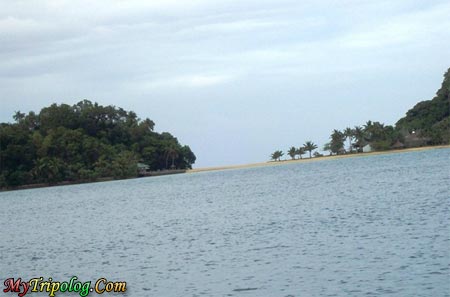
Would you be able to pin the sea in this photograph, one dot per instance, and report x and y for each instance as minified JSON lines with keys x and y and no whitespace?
{"x":375,"y":225}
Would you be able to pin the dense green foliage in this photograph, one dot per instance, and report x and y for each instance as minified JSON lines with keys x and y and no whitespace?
{"x":85,"y":141}
{"x":379,"y":136}
{"x":431,"y":118}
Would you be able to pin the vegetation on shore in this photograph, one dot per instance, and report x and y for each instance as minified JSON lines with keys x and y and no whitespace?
{"x":427,"y":123}
{"x":84,"y":142}
{"x":89,"y":142}
{"x":293,"y":152}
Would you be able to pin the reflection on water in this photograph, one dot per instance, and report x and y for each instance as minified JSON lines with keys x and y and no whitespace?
{"x":368,"y":226}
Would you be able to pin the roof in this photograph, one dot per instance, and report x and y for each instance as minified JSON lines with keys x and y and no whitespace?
{"x":398,"y":144}
{"x":142,"y":166}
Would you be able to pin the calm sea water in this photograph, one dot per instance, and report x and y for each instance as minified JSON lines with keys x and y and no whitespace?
{"x":370,"y":226}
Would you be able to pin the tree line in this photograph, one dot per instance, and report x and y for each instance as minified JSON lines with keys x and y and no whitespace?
{"x":427,"y":123}
{"x":85,"y":141}
{"x":293,"y":152}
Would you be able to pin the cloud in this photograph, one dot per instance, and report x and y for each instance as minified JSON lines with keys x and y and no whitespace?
{"x":14,"y":25}
{"x":414,"y":27}
{"x":239,"y":25}
{"x":185,"y":81}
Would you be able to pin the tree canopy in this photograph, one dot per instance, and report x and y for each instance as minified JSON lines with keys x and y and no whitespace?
{"x":430,"y":118}
{"x":84,"y":141}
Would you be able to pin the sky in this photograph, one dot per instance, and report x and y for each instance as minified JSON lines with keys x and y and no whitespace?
{"x":235,"y":80}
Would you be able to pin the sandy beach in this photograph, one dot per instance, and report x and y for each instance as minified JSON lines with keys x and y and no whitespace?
{"x":316,"y":159}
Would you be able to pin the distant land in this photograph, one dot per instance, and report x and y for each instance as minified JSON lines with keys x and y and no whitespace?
{"x":84,"y":142}
{"x":317,"y":159}
{"x":430,"y":118}
{"x":87,"y":142}
{"x":426,"y":124}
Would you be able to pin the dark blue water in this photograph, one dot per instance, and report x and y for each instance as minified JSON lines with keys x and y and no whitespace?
{"x":364,"y":226}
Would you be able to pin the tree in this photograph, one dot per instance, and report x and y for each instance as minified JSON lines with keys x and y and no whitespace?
{"x":49,"y":169}
{"x":358,"y":133}
{"x":186,"y":158}
{"x":349,"y":134}
{"x":18,"y":116}
{"x":173,"y":154}
{"x":310,"y":146}
{"x":337,"y":141}
{"x":276,"y":156}
{"x":300,"y":151}
{"x":327,"y":147}
{"x":292,"y":152}
{"x":125,"y":165}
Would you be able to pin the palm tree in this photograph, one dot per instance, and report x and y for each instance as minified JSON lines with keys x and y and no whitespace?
{"x":49,"y":169}
{"x":349,"y":134}
{"x":301,"y":151}
{"x":358,"y":134}
{"x":171,"y":153}
{"x":292,"y":152}
{"x":368,"y":129}
{"x":277,"y":155}
{"x":337,"y":141}
{"x":310,"y":146}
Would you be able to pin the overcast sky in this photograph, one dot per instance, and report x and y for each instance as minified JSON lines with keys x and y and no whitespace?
{"x":235,"y":80}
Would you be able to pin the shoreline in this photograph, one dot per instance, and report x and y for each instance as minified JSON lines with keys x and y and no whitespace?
{"x":232,"y":167}
{"x":316,"y":159}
